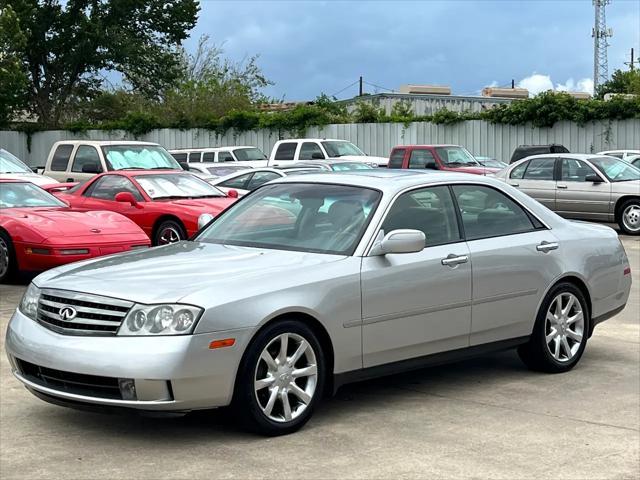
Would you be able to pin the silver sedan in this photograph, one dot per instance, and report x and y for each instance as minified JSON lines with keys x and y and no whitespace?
{"x":580,"y":186}
{"x":314,"y":281}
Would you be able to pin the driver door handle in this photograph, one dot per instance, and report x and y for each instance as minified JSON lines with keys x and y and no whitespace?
{"x":453,"y":260}
{"x":547,"y":246}
{"x":514,"y":184}
{"x":561,"y":185}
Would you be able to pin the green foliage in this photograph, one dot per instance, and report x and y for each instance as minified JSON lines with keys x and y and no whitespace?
{"x":367,"y":112}
{"x":13,"y":78}
{"x":621,"y":82}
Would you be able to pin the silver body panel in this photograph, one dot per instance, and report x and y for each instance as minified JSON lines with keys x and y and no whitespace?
{"x":375,"y":309}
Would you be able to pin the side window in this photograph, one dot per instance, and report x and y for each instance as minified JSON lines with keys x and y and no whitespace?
{"x":106,"y":188}
{"x":430,"y":210}
{"x":286,"y":151}
{"x":540,"y":169}
{"x":395,"y":160}
{"x":85,"y":155}
{"x":194,"y":156}
{"x":575,"y":170}
{"x":311,"y":151}
{"x":421,"y":158}
{"x":260,"y":178}
{"x":60,"y":159}
{"x":208,"y":156}
{"x":518,"y":172}
{"x":487,"y":212}
{"x":238,"y":182}
{"x":180,"y":157}
{"x":225,"y":157}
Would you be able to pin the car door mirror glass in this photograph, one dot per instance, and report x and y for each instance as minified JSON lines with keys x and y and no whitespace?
{"x":400,"y":241}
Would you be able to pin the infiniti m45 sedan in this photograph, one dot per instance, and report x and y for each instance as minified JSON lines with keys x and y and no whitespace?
{"x":313,"y":281}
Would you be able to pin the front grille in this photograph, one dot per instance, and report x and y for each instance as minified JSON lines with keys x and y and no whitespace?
{"x":76,"y":383}
{"x":95,"y":315}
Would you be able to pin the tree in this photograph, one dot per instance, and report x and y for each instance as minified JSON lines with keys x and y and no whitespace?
{"x":69,"y":45}
{"x":12,"y":76}
{"x":621,"y":82}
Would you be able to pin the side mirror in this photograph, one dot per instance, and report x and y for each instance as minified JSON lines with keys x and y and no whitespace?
{"x":317,"y":156}
{"x":593,"y":178}
{"x":91,"y":167}
{"x":184,"y":165}
{"x":400,"y":241}
{"x":126,"y":197}
{"x":232,"y":193}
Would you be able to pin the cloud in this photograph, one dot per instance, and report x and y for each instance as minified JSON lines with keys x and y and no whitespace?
{"x":538,"y":83}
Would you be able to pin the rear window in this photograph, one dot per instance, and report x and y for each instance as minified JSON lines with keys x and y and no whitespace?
{"x":180,"y":157}
{"x":61,"y":157}
{"x":286,"y":151}
{"x":395,"y":160}
{"x":194,"y":156}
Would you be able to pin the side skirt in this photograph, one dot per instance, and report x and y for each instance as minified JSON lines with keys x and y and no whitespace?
{"x":426,"y":361}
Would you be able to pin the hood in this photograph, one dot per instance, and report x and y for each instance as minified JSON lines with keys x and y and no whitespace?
{"x":28,"y":177}
{"x":203,"y":205}
{"x":380,"y":161}
{"x":475,"y":170}
{"x":184,"y":272}
{"x":56,"y":222}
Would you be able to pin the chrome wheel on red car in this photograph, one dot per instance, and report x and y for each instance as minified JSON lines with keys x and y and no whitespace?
{"x":7,"y":262}
{"x":169,"y":232}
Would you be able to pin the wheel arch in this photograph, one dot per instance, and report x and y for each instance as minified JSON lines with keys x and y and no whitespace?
{"x":163,"y":218}
{"x":581,"y":285}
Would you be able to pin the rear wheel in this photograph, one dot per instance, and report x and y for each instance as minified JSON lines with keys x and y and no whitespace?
{"x":560,"y":333}
{"x":8,"y":264}
{"x":281,"y":379}
{"x":629,"y":220}
{"x":169,"y":231}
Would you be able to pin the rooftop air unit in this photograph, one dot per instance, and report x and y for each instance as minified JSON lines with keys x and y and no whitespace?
{"x":425,"y":89}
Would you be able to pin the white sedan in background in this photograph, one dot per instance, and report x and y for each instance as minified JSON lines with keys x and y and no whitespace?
{"x":244,"y":181}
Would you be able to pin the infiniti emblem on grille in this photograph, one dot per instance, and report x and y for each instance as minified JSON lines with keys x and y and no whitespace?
{"x":68,"y":313}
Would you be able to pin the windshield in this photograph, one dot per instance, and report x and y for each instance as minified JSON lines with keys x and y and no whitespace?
{"x":615,"y":170}
{"x":249,"y":154}
{"x":456,"y":157}
{"x":25,"y":194}
{"x":11,"y":164}
{"x":346,"y":166}
{"x":121,"y":157}
{"x":176,"y":185}
{"x":303,"y":217}
{"x":341,"y":148}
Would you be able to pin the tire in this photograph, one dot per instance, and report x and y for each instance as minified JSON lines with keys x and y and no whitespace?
{"x":571,"y":326}
{"x":8,"y":263}
{"x":261,"y":407}
{"x":629,"y":217}
{"x":169,"y":231}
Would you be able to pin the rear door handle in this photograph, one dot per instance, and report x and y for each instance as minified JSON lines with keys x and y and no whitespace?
{"x":562,"y":186}
{"x":547,"y":246}
{"x":453,"y":260}
{"x":514,"y":184}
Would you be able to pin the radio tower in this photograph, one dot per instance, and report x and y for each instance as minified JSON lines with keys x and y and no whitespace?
{"x":600,"y":34}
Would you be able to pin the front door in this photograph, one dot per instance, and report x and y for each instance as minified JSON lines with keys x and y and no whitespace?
{"x":416,"y":304}
{"x":578,"y":198}
{"x":100,"y":195}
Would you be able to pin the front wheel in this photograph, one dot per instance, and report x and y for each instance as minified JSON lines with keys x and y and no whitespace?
{"x":8,"y":264}
{"x":169,"y":231}
{"x":560,"y":333}
{"x":280,"y":379}
{"x":629,"y":220}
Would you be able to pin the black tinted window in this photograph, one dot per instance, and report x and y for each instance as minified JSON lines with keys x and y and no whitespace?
{"x":194,"y":156}
{"x":86,"y":155}
{"x":60,"y":159}
{"x":286,"y":151}
{"x":540,"y":169}
{"x":225,"y":157}
{"x":486,"y":212}
{"x":208,"y":157}
{"x":180,"y":157}
{"x":430,"y":210}
{"x":310,"y":151}
{"x":395,"y":161}
{"x":422,"y":159}
{"x":106,"y":188}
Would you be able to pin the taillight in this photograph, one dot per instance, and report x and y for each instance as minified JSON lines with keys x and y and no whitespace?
{"x":627,"y":271}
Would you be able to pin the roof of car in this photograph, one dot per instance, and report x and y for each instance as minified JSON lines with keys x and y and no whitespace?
{"x":134,"y":172}
{"x":103,"y":143}
{"x":575,"y":156}
{"x":390,"y":180}
{"x":209,"y":149}
{"x":427,"y":145}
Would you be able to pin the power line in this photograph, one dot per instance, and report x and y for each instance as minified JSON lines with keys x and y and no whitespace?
{"x":345,"y":88}
{"x":378,"y":86}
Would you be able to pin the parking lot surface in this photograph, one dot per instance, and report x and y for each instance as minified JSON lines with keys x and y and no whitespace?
{"x":485,"y":418}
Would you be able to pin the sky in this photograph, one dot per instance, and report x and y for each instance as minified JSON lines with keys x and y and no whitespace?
{"x":311,"y":47}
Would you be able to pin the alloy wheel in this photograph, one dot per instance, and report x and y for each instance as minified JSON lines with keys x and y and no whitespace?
{"x":286,"y":377}
{"x":4,"y":257}
{"x":631,"y":217}
{"x":564,"y":327}
{"x":168,"y":235}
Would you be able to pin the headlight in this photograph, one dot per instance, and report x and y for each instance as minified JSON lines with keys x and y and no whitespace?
{"x":29,"y":302}
{"x":171,"y":319}
{"x":203,"y":220}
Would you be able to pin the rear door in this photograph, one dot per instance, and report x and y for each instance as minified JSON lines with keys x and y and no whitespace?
{"x":578,"y":198}
{"x":537,"y":179}
{"x":58,"y":168}
{"x":396,"y":158}
{"x":285,"y":153}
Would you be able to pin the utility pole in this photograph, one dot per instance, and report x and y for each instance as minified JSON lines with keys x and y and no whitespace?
{"x":632,"y":61}
{"x":600,"y":34}
{"x":360,"y":90}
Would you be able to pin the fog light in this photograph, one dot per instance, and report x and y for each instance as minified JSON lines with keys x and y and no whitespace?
{"x":127,"y":388}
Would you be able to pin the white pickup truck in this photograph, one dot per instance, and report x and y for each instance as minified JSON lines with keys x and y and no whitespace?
{"x":287,"y":151}
{"x":79,"y":160}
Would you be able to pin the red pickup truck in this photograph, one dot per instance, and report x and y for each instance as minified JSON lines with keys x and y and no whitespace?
{"x":437,"y":157}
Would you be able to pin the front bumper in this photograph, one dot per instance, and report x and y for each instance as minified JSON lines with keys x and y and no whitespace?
{"x":171,"y":373}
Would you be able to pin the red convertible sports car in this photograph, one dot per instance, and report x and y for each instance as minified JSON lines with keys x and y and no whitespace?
{"x":165,"y":204}
{"x":38,"y":231}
